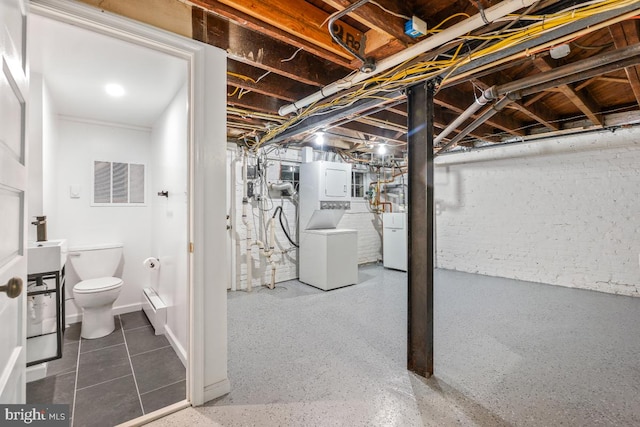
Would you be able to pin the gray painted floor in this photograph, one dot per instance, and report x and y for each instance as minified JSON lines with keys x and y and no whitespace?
{"x":506,"y":353}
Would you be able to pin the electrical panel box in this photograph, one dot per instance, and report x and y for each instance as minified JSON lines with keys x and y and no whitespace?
{"x":325,"y":194}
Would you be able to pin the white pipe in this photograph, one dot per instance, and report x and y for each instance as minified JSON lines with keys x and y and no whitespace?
{"x":272,"y":240}
{"x":479,"y":102}
{"x":282,"y":186}
{"x":235,"y":248}
{"x":267,"y":250}
{"x":247,"y":223}
{"x":476,"y":21}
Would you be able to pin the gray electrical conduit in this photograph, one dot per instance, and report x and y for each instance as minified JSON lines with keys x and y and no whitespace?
{"x":368,"y":64}
{"x":476,"y":21}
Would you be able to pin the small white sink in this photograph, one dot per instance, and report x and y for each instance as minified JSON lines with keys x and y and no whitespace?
{"x":45,"y":257}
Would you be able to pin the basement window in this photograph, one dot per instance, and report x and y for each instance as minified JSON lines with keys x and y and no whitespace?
{"x":357,"y":184}
{"x":290,"y":173}
{"x":118,"y":184}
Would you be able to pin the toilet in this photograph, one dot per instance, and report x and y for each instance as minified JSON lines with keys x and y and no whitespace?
{"x":98,"y":289}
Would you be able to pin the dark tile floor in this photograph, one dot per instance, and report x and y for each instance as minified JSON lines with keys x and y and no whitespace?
{"x":113,"y":379}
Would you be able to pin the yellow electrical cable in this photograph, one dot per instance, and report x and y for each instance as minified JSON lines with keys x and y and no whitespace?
{"x":242,"y":77}
{"x":400,"y":75}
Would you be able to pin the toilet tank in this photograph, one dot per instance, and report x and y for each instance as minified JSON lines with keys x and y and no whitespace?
{"x":93,"y":261}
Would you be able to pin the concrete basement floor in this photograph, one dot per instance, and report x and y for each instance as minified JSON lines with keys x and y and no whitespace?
{"x":506,"y":353}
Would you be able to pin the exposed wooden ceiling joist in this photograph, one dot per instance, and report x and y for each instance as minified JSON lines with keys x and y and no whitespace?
{"x":261,"y":51}
{"x":369,"y":15}
{"x":298,"y":18}
{"x":580,"y":99}
{"x":254,"y":101}
{"x":263,"y":38}
{"x":624,"y":34}
{"x":255,"y":24}
{"x":245,"y":77}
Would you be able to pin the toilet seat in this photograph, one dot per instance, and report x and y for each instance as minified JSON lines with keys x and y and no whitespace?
{"x":97,"y":285}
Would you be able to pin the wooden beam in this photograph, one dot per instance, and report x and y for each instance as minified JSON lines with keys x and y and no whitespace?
{"x":582,"y":100}
{"x":374,"y":17}
{"x":255,"y":24}
{"x":301,"y":19}
{"x":542,"y":116}
{"x":585,"y":103}
{"x":535,"y":98}
{"x":369,"y":130}
{"x":383,"y":124}
{"x":586,"y":83}
{"x":266,"y":53}
{"x":254,"y":101}
{"x":624,"y":34}
{"x":266,"y":83}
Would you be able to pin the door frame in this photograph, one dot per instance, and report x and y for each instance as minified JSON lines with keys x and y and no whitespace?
{"x":206,"y":217}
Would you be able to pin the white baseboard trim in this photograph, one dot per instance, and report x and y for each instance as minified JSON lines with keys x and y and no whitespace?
{"x":216,"y":390}
{"x":160,"y":413}
{"x":121,"y":309}
{"x":177,"y":347}
{"x":129,"y":308}
{"x":36,"y":372}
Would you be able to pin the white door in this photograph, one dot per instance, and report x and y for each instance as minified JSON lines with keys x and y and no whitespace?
{"x":13,"y":180}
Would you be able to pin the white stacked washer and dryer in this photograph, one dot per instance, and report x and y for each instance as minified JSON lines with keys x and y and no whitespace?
{"x":328,"y":256}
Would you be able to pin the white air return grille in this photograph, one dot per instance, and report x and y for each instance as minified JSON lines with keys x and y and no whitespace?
{"x":118,"y":184}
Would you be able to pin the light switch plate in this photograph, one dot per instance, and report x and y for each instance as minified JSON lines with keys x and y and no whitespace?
{"x":74,"y":191}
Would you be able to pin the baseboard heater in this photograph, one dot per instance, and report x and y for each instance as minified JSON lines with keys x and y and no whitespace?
{"x":155,"y":309}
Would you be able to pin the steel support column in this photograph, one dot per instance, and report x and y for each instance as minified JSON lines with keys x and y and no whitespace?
{"x":421,"y":222}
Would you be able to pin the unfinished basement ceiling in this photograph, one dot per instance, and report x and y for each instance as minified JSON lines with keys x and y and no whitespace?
{"x":280,"y":51}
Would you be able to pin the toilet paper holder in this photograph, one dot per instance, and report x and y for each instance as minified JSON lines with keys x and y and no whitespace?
{"x":151,"y":263}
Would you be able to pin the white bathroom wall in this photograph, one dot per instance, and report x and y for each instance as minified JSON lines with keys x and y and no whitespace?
{"x":42,"y":150}
{"x":80,"y":143}
{"x":559,"y":211}
{"x":50,"y":150}
{"x":34,"y":154}
{"x":169,"y":217}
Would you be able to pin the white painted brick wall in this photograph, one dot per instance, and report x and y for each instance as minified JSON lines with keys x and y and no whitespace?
{"x":562,"y":212}
{"x":369,"y":227}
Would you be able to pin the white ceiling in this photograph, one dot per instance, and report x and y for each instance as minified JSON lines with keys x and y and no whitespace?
{"x":77,"y":64}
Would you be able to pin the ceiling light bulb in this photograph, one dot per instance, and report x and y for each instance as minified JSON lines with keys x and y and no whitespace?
{"x":114,"y":89}
{"x":382,"y":149}
{"x":319,"y":139}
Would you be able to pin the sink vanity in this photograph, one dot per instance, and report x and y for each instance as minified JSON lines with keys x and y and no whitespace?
{"x":46,"y":294}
